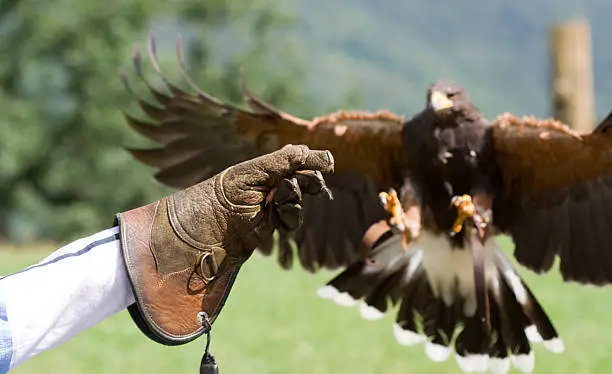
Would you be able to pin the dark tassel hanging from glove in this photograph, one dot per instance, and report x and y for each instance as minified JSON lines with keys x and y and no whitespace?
{"x":208,"y":365}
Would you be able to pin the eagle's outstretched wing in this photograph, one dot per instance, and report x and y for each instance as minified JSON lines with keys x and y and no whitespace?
{"x":200,"y":136}
{"x":556,"y":195}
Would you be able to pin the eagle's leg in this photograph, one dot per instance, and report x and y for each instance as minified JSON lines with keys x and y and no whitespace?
{"x":393,"y":206}
{"x":465,"y":209}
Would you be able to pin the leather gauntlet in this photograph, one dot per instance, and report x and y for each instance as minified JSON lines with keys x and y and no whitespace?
{"x":184,"y":251}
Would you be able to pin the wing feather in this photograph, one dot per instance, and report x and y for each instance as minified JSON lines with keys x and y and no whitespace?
{"x":199,"y":136}
{"x":555,"y":195}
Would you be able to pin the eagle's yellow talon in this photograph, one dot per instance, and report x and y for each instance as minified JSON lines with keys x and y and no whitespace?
{"x":465,"y":209}
{"x":393,"y":206}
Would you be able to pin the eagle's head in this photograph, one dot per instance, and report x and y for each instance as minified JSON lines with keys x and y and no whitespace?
{"x":446,"y":97}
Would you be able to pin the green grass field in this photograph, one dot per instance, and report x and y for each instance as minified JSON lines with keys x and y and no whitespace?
{"x":274,"y":323}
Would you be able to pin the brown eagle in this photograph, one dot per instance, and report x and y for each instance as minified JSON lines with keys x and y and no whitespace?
{"x":430,"y":247}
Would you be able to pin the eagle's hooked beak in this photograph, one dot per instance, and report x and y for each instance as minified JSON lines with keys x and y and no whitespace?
{"x":440,"y":101}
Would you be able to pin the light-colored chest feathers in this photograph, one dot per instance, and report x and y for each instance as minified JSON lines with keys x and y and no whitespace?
{"x":451,"y":271}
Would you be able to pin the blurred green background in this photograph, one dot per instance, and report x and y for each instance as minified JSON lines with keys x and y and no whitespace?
{"x":63,"y":173}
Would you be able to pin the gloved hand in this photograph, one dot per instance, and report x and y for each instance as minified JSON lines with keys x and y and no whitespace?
{"x":184,"y":251}
{"x":237,"y":209}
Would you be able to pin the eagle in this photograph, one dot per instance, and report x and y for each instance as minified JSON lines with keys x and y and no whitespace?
{"x":418,"y":205}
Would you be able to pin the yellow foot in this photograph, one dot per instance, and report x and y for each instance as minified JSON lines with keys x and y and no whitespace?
{"x":393,"y":206}
{"x":397,"y":221}
{"x":465,"y":209}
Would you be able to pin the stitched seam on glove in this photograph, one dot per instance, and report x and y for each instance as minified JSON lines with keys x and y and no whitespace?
{"x":222,"y":197}
{"x":181,"y":233}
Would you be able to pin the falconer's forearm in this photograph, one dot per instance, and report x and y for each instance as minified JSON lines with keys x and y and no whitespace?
{"x":48,"y":303}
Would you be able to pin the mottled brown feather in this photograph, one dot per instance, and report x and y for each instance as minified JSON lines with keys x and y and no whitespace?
{"x":556,"y":195}
{"x":544,"y":154}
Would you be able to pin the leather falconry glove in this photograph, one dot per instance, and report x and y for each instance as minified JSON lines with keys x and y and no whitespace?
{"x":184,"y":251}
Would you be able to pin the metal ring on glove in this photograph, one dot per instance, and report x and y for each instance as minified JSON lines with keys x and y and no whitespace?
{"x":212,"y":267}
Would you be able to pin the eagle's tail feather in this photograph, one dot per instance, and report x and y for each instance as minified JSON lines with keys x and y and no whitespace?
{"x":540,"y":328}
{"x":376,"y":279}
{"x":396,"y":276}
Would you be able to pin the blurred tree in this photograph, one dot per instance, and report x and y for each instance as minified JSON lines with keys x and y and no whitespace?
{"x":63,"y":173}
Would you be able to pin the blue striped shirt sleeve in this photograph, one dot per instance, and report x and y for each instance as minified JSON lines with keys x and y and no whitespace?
{"x":6,"y":344}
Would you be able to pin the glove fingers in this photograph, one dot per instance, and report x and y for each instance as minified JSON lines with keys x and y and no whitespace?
{"x":269,"y":169}
{"x":287,"y":204}
{"x":288,"y":196}
{"x":290,"y":216}
{"x":291,"y":158}
{"x":312,"y":182}
{"x":318,"y":160}
{"x":288,"y":191}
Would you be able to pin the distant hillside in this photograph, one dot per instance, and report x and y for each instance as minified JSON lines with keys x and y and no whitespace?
{"x":390,"y":50}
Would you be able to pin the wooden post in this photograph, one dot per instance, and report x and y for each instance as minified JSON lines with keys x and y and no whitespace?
{"x":572,"y":74}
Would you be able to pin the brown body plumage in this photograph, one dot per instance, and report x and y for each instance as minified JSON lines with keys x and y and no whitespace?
{"x":543,"y":184}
